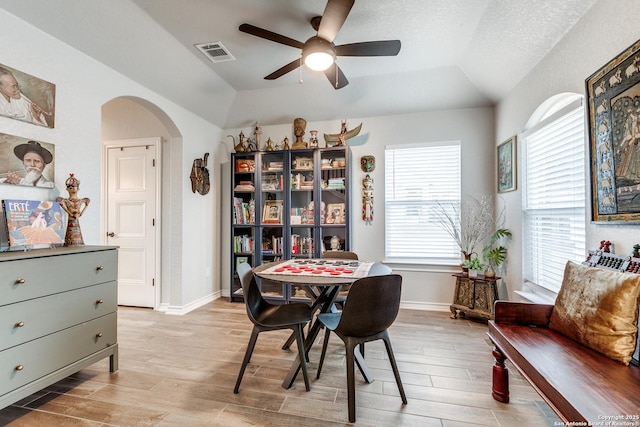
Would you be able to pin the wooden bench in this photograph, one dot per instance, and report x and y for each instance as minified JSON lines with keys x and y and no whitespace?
{"x":578,"y":383}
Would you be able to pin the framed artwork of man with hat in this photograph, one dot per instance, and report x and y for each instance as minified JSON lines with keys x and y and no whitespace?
{"x":26,"y":162}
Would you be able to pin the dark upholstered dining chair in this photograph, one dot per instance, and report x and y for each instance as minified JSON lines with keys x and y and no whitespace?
{"x":372,"y":306}
{"x":269,"y":317}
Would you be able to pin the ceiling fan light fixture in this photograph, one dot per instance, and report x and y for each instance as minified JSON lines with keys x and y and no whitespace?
{"x":318,"y":54}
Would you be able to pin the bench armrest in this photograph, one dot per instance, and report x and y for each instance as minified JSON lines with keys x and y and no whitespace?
{"x":522,"y":313}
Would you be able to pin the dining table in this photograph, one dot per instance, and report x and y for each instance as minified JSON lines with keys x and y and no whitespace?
{"x":322,"y":288}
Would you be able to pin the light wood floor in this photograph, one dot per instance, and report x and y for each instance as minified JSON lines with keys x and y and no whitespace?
{"x":180,"y":371}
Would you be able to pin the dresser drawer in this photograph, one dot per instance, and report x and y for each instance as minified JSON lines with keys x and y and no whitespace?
{"x":31,"y":319}
{"x":33,"y":277}
{"x":35,"y":359}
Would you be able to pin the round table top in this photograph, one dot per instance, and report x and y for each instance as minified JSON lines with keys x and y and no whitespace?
{"x":376,"y":269}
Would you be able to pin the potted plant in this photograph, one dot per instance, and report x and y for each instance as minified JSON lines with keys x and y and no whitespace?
{"x":495,"y":255}
{"x":474,"y":266}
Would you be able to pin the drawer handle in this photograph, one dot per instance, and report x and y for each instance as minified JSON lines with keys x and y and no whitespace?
{"x":99,"y":302}
{"x":19,"y":324}
{"x":99,"y":268}
{"x":19,"y":281}
{"x":19,"y":368}
{"x":99,"y":335}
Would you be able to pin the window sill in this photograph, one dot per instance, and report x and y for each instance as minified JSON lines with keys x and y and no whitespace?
{"x":533,"y":293}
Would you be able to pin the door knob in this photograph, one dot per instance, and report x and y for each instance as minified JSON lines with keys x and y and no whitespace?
{"x":111,"y":234}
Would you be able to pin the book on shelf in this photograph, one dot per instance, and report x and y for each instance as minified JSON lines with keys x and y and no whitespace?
{"x":242,"y":244}
{"x":244,"y":186}
{"x":32,"y":223}
{"x":243,"y":212}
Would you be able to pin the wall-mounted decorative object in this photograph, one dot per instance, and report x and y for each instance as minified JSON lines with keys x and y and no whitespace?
{"x":367,"y":199}
{"x":27,"y":98}
{"x":368,"y":163}
{"x":200,"y":176}
{"x":74,"y":207}
{"x":507,"y":162}
{"x":614,"y":138}
{"x":26,"y":162}
{"x":341,"y":138}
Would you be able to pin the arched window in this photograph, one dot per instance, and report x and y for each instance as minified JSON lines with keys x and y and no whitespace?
{"x":554,"y":194}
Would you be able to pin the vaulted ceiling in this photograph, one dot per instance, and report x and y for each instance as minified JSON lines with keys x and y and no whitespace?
{"x":455,"y":53}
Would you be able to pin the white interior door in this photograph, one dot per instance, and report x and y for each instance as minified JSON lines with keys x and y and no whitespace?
{"x":131,"y":209}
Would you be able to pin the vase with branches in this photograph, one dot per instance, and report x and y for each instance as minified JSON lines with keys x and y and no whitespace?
{"x":472,"y":224}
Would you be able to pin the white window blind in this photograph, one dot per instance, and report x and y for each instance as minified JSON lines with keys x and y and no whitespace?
{"x":554,"y":197}
{"x":417,"y":179}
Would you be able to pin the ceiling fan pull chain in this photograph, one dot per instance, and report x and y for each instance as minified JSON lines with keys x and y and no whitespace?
{"x":300,"y":69}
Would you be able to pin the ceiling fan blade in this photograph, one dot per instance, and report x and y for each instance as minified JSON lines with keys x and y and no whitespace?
{"x":376,"y":48}
{"x":269,"y":35}
{"x":335,"y":13}
{"x":284,"y":70}
{"x":336,"y":77}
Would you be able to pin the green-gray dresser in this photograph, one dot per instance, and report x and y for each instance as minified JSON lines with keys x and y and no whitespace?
{"x":58,"y":315}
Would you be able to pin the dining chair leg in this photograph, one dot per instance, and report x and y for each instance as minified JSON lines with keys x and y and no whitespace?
{"x":302,"y":355}
{"x":394,"y":366}
{"x":325,"y":343}
{"x":247,"y":357}
{"x":351,"y":381}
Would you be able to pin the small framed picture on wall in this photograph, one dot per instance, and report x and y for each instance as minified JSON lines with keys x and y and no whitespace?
{"x":507,"y":165}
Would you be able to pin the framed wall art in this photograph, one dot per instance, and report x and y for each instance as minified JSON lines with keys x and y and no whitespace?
{"x":507,"y":165}
{"x":26,"y":162}
{"x":26,"y":98}
{"x":613,"y":94}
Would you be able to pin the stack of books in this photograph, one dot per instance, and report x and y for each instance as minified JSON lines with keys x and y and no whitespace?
{"x":335,"y":184}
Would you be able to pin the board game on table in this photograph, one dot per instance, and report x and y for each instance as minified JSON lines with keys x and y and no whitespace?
{"x":323,"y":267}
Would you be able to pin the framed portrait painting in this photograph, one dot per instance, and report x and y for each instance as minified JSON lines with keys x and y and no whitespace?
{"x":613,"y":94}
{"x":507,"y":165}
{"x":26,"y":162}
{"x":27,"y":98}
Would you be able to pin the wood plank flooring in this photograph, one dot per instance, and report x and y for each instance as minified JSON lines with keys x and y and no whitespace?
{"x":181,"y":370}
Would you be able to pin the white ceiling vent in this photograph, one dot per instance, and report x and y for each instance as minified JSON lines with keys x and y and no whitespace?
{"x":215,"y":51}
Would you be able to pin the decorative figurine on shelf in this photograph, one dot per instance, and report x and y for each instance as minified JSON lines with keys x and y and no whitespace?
{"x":240,"y":143}
{"x":313,"y":141}
{"x":299,"y":125}
{"x":257,"y":131}
{"x":341,"y":138}
{"x":269,"y":145}
{"x":285,"y":144}
{"x":74,"y":207}
{"x":237,"y":148}
{"x":367,"y":199}
{"x":605,"y":246}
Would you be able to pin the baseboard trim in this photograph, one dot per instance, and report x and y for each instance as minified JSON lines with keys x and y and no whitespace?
{"x":426,"y":306}
{"x":182,"y":310}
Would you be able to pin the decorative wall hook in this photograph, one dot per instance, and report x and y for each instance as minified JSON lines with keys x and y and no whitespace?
{"x":200,"y":176}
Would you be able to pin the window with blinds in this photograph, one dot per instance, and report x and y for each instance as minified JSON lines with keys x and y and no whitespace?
{"x":419,"y":178}
{"x":554,"y":196}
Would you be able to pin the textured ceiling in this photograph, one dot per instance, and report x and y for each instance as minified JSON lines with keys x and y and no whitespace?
{"x":455,"y":53}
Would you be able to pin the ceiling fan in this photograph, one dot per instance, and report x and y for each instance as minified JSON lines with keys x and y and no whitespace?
{"x":319,"y":53}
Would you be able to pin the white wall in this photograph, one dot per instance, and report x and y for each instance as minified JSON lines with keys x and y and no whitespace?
{"x":423,"y":286}
{"x":608,"y":28}
{"x":83,"y":86}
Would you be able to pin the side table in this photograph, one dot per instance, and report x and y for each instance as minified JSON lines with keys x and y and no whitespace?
{"x":474,"y":296}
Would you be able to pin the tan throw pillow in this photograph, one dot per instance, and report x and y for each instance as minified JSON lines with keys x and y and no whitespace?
{"x":599,"y":308}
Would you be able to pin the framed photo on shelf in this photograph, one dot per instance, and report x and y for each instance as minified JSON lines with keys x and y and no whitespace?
{"x":613,"y":99}
{"x":507,"y":165}
{"x":272,"y":212}
{"x":240,"y":260}
{"x":335,"y":213}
